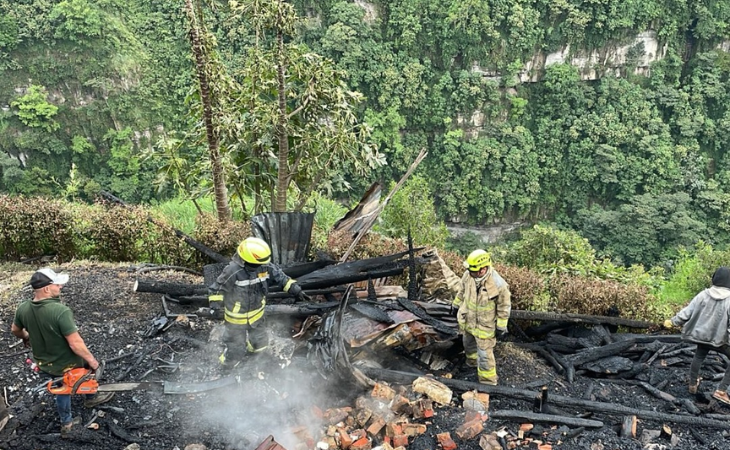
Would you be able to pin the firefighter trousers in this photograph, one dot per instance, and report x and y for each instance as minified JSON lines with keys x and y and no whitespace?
{"x":241,"y":339}
{"x":480,"y":353}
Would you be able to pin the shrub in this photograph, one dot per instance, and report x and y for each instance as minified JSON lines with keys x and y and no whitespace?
{"x":692,"y":273}
{"x":411,"y":208}
{"x":32,"y":227}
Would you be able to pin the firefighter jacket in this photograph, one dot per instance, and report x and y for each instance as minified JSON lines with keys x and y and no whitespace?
{"x":243,"y":289}
{"x":484,"y":305}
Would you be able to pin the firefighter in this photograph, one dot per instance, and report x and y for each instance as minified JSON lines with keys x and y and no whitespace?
{"x":484,"y":306}
{"x":240,"y":291}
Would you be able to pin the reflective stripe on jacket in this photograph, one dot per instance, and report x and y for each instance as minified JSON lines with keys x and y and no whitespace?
{"x":243,"y":290}
{"x":483,"y":308}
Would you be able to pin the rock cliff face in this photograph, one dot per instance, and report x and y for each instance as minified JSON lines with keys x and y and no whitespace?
{"x":638,"y":53}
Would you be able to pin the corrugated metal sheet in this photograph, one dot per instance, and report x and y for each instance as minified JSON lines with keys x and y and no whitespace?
{"x":288,"y":234}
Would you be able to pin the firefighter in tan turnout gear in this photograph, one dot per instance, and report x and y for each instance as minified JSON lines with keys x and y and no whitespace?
{"x":240,"y":290}
{"x":484,"y":306}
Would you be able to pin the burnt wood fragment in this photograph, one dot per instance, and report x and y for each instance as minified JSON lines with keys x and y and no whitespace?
{"x":545,"y":418}
{"x":372,"y":312}
{"x":426,"y":318}
{"x":610,"y":365}
{"x":628,"y":427}
{"x":121,"y":433}
{"x":657,"y":393}
{"x":579,"y":318}
{"x":600,"y":352}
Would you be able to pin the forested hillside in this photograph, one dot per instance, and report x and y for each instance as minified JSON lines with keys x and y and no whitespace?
{"x":93,"y":92}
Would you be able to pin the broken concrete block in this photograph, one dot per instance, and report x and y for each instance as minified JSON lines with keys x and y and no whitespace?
{"x":433,"y":389}
{"x":472,"y":397}
{"x":381,"y":390}
{"x":489,"y":442}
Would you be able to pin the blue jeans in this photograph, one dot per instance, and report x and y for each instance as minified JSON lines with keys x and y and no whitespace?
{"x":63,"y":402}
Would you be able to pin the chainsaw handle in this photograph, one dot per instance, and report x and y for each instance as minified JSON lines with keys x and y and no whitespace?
{"x":81,"y":380}
{"x":54,"y":389}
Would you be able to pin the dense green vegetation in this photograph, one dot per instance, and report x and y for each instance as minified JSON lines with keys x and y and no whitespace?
{"x":95,"y":94}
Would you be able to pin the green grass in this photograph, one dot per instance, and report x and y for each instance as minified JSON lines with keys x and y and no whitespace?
{"x":181,"y":214}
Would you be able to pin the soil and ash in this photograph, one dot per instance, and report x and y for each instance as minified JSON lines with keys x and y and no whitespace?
{"x":279,"y":393}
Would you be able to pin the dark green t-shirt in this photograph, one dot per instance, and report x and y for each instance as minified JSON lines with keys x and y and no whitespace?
{"x":48,"y":322}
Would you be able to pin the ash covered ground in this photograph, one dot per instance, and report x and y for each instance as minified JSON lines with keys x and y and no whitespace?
{"x":272,"y":396}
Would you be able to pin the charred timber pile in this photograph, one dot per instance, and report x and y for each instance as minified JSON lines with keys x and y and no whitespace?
{"x":597,"y":353}
{"x":322,"y":279}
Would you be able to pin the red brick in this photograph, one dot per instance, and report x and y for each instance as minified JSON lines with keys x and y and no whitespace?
{"x":470,"y":429}
{"x":422,"y":408}
{"x":473,"y":415}
{"x":400,"y":440}
{"x":377,"y":425}
{"x":361,"y":444}
{"x":393,"y":429}
{"x":344,"y":438}
{"x":445,"y":441}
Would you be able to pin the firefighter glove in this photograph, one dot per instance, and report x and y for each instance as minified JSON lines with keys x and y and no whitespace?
{"x":668,"y":324}
{"x":501,"y":333}
{"x":298,"y":293}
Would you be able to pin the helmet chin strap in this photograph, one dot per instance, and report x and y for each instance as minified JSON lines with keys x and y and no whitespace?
{"x":483,"y":277}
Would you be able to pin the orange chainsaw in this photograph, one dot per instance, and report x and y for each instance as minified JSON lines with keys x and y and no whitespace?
{"x":74,"y":381}
{"x":83,"y":381}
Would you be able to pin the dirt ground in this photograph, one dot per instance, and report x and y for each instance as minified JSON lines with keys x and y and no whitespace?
{"x":276,"y":394}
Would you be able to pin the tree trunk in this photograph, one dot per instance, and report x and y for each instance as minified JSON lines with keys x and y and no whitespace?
{"x":219,"y":178}
{"x":281,"y":127}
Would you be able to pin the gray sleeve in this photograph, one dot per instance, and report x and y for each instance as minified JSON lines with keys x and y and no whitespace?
{"x":684,"y":315}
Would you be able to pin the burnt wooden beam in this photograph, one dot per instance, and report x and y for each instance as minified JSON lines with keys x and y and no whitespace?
{"x":596,"y":353}
{"x":521,"y":394}
{"x":579,"y":318}
{"x":426,"y":318}
{"x":171,"y":289}
{"x":512,"y":414}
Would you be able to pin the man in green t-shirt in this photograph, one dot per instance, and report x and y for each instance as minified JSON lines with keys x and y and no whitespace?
{"x":47,"y":326}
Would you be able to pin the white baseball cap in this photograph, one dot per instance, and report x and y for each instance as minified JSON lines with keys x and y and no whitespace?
{"x":45,"y":277}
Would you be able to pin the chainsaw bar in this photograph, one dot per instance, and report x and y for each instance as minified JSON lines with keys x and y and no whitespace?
{"x":119,"y":387}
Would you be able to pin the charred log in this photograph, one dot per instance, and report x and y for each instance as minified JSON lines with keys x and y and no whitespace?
{"x":579,"y":318}
{"x":545,"y":418}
